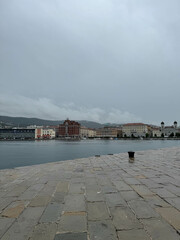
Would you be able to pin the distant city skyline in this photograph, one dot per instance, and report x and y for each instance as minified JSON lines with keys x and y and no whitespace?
{"x":104,"y":61}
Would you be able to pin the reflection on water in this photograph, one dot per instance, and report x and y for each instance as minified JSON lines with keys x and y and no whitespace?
{"x":22,"y":153}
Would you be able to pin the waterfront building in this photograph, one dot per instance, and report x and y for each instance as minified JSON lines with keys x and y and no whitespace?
{"x":156,"y":132}
{"x":91,"y":133}
{"x":107,"y":132}
{"x":55,"y":128}
{"x":17,"y":133}
{"x":45,"y":133}
{"x":69,"y":129}
{"x":84,"y":133}
{"x":169,"y":131}
{"x":87,"y":132}
{"x":135,"y":130}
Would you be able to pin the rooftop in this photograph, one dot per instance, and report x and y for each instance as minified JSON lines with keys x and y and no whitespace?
{"x":133,"y":124}
{"x":104,"y":197}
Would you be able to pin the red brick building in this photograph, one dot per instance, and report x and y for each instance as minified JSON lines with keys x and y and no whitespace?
{"x":69,"y":129}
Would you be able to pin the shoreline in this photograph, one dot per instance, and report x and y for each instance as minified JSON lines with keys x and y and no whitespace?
{"x":107,"y":139}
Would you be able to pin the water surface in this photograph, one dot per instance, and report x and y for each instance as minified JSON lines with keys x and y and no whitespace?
{"x":23,"y":153}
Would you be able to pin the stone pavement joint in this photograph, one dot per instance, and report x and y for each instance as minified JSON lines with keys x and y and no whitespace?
{"x":102,"y":198}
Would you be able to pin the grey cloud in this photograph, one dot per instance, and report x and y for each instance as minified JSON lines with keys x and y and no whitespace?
{"x":45,"y":108}
{"x":97,"y":54}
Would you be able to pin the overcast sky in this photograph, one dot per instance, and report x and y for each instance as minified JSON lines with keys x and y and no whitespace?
{"x":102,"y":60}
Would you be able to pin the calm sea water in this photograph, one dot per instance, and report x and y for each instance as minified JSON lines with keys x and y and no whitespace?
{"x":23,"y":153}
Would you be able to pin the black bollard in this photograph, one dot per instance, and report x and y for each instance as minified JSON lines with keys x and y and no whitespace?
{"x":131,"y":154}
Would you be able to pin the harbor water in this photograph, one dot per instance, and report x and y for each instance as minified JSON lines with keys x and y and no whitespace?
{"x":23,"y":153}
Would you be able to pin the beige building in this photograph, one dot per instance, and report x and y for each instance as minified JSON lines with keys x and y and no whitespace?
{"x":45,"y":133}
{"x":135,"y":129}
{"x":107,"y":132}
{"x":156,"y":132}
{"x":87,"y":132}
{"x":92,"y":133}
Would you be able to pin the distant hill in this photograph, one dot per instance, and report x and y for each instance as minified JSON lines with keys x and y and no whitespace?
{"x":24,"y":122}
{"x":90,"y":124}
{"x":112,"y":125}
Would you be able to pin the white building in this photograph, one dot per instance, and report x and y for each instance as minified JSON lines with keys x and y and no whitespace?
{"x":134,"y":130}
{"x":156,"y":132}
{"x":45,"y":133}
{"x":167,"y":131}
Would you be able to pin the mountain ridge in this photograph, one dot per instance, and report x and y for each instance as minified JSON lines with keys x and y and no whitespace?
{"x":24,"y":122}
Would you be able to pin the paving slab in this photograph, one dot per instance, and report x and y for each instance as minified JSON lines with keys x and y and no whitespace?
{"x":52,"y":213}
{"x":142,"y":209}
{"x":155,"y":201}
{"x":44,"y":231}
{"x":74,"y":203}
{"x":139,"y":234}
{"x":16,"y":191}
{"x":130,"y":195}
{"x":115,"y":199}
{"x":131,"y":180}
{"x":174,"y":189}
{"x":71,"y":236}
{"x":5,"y":202}
{"x":73,"y":222}
{"x":77,"y":188}
{"x":58,"y":197}
{"x":142,"y":190}
{"x":94,"y":196}
{"x":97,"y":211}
{"x":14,"y":210}
{"x":122,"y":186}
{"x":174,"y":202}
{"x":164,"y":193}
{"x":5,"y":223}
{"x":27,"y":195}
{"x":171,"y":215}
{"x":22,"y":228}
{"x":124,"y":219}
{"x":160,"y":230}
{"x":102,"y":230}
{"x":39,"y":201}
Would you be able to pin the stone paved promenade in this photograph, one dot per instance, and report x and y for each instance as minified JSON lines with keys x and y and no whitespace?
{"x":98,"y":198}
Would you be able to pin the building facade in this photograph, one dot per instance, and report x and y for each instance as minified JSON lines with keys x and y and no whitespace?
{"x":107,"y":132}
{"x":91,"y":133}
{"x":169,"y":131}
{"x":69,"y":129}
{"x":45,"y":133}
{"x":17,"y":134}
{"x":84,"y":132}
{"x":87,"y":132}
{"x":135,"y":130}
{"x":155,"y":132}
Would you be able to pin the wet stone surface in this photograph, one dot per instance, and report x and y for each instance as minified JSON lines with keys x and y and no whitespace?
{"x":95,"y":198}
